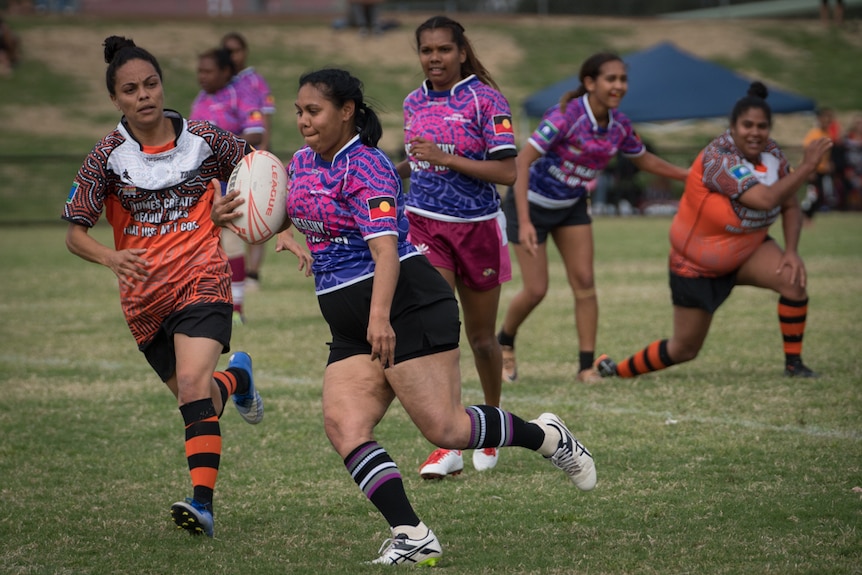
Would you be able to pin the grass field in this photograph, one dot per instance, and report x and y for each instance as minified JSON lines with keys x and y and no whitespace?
{"x":719,"y":466}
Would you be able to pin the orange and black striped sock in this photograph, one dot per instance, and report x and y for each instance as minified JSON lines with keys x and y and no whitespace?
{"x":203,"y":446}
{"x":651,"y":358}
{"x":791,"y":319}
{"x":230,"y":381}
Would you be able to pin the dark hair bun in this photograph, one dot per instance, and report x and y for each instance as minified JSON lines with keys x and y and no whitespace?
{"x":114,"y":44}
{"x":758,"y":90}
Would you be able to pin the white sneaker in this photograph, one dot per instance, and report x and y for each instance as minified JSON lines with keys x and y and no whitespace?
{"x":442,"y":462}
{"x":571,"y":456}
{"x":484,"y":459}
{"x":401,"y":550}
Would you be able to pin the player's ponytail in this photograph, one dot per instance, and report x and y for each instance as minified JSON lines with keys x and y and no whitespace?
{"x":118,"y":51}
{"x":368,"y":125}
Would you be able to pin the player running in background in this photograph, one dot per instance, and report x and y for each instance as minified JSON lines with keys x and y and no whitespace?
{"x":251,"y":85}
{"x":392,"y":317}
{"x":223,"y":102}
{"x":572,"y":144}
{"x":460,"y":144}
{"x":154,"y":176}
{"x":737,"y":187}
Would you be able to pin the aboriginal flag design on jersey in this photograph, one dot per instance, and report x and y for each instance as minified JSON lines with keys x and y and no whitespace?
{"x":161,"y":202}
{"x":381,"y":207}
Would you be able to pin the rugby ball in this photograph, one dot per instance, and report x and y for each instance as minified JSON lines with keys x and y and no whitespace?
{"x":262,"y":182}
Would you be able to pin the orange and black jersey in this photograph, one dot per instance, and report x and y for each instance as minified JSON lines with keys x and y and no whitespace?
{"x":713,"y":234}
{"x":159,"y":199}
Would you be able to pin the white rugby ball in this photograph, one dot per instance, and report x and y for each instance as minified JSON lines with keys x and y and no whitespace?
{"x":262,"y":182}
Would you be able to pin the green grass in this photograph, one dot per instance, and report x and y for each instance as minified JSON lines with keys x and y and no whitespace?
{"x":719,"y":466}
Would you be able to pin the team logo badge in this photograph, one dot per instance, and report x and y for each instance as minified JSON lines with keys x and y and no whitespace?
{"x":547,"y":131}
{"x":381,"y":207}
{"x":503,"y":124}
{"x":72,"y":192}
{"x":740,"y":172}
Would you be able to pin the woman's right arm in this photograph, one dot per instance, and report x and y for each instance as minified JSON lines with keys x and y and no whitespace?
{"x":128,"y":265}
{"x":763,"y":197}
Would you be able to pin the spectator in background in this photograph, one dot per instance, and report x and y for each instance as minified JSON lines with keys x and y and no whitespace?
{"x":821,"y":189}
{"x":9,"y":48}
{"x":222,"y":102}
{"x":220,"y":7}
{"x":837,"y":12}
{"x":365,"y":14}
{"x":852,"y":147}
{"x":253,"y":86}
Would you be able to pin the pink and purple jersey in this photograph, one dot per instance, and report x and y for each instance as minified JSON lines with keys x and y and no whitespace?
{"x":575,"y":149}
{"x":340,"y":206}
{"x":472,"y":120}
{"x":253,"y":84}
{"x":230,"y":109}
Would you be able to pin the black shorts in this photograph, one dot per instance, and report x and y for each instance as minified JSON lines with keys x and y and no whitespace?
{"x":702,"y":293}
{"x":543,"y":219}
{"x":209,"y":320}
{"x":424,"y":314}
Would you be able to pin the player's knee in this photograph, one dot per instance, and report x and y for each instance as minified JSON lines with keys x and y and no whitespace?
{"x":484,"y":345}
{"x":681,"y":352}
{"x":443,"y":434}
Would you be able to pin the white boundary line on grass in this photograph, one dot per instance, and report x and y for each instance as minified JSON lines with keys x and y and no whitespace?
{"x":668,"y":418}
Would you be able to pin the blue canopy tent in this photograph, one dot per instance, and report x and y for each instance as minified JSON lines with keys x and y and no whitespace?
{"x":666,"y":83}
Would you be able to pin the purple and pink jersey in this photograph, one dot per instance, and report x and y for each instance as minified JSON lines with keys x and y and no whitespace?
{"x":253,"y":84}
{"x":231,"y":109}
{"x":575,"y":149}
{"x":339,"y":206}
{"x":472,"y":120}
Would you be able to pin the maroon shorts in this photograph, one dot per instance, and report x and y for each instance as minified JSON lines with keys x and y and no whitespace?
{"x":475,"y":251}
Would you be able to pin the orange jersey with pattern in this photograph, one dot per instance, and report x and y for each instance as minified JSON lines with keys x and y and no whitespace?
{"x":160,"y":200}
{"x":713,"y":234}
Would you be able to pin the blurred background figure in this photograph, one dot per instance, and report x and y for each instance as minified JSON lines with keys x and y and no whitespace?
{"x":9,"y":48}
{"x":821,"y":185}
{"x":219,"y":7}
{"x":253,"y":86}
{"x":851,"y":145}
{"x":837,"y":12}
{"x":222,"y":102}
{"x":365,"y":14}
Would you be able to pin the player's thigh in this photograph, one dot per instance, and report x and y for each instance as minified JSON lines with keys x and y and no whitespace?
{"x":763,"y":269}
